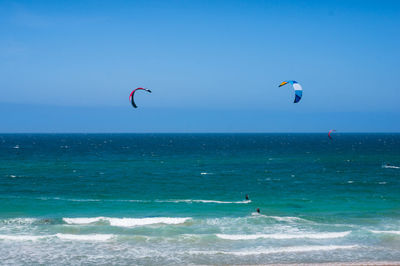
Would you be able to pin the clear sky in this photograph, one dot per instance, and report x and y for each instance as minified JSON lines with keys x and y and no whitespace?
{"x":213,"y":66}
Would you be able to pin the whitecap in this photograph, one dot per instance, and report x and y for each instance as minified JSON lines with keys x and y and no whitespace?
{"x":19,"y":221}
{"x":82,"y":220}
{"x":205,"y":201}
{"x":385,"y":232}
{"x":22,"y":237}
{"x":127,"y":222}
{"x":278,"y":218}
{"x":286,"y":218}
{"x":285,"y":236}
{"x":258,"y":214}
{"x":205,"y":173}
{"x":391,"y":166}
{"x":92,"y":237}
{"x":88,"y":200}
{"x":66,"y":199}
{"x":293,"y":249}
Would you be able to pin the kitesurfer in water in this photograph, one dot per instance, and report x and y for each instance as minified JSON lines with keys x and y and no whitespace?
{"x":258,"y":210}
{"x":247,"y":197}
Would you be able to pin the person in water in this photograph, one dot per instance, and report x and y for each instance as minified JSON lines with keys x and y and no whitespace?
{"x":258,"y":210}
{"x":247,"y":197}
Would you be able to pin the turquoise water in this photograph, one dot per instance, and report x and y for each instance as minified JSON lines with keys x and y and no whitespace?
{"x":180,"y":198}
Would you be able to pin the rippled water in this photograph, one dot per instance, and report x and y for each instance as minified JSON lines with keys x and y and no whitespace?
{"x":180,"y":198}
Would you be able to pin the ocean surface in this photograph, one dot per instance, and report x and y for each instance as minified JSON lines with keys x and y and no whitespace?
{"x":168,"y":199}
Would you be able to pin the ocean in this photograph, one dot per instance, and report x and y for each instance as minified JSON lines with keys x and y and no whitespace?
{"x":178,"y":199}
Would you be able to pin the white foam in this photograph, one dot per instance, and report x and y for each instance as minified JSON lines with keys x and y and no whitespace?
{"x":385,"y":232}
{"x":90,"y":200}
{"x":21,"y":237}
{"x":92,"y":237}
{"x":292,"y":249}
{"x":127,"y":200}
{"x":285,"y":236}
{"x":390,"y":166}
{"x":127,"y":222}
{"x":278,"y":218}
{"x":65,"y":199}
{"x":257,"y":214}
{"x":83,"y":220}
{"x":286,"y":218}
{"x":19,"y":221}
{"x":206,"y":201}
{"x":81,"y":199}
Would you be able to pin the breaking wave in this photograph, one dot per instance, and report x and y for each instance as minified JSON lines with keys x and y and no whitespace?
{"x":205,"y":201}
{"x":92,"y":237}
{"x":22,"y":237}
{"x":127,"y":222}
{"x":276,"y":250}
{"x":385,"y":232}
{"x":285,"y":236}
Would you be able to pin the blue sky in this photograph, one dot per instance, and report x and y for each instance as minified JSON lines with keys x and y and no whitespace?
{"x":213,"y":66}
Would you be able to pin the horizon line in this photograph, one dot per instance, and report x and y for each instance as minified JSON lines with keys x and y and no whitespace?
{"x":198,"y":132}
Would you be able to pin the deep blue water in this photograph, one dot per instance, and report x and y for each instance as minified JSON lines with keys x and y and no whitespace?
{"x":180,"y":198}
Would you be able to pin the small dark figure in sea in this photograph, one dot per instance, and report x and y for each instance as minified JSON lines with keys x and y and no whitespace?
{"x":258,"y":210}
{"x":45,"y":221}
{"x":247,"y":197}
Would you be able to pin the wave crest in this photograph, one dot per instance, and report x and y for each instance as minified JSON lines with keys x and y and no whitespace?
{"x":22,"y":237}
{"x":205,"y":201}
{"x":386,"y":232}
{"x":127,"y":222}
{"x":293,"y":249}
{"x":284,"y":236}
{"x":19,"y":221}
{"x":92,"y":237}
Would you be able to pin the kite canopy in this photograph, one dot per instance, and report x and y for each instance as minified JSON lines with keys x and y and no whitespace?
{"x":298,"y":90}
{"x":329,"y":133}
{"x":132,"y":98}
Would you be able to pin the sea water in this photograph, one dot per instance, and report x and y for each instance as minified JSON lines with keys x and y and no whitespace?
{"x":159,"y":199}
